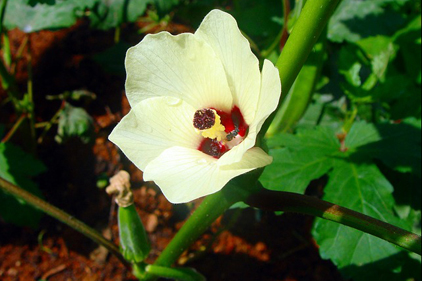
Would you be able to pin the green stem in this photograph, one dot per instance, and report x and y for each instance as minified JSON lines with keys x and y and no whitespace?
{"x":62,"y":216}
{"x":117,"y":33}
{"x":9,"y":84}
{"x":50,"y":123}
{"x":284,"y":34}
{"x":273,"y":46}
{"x":31,"y":112}
{"x":297,"y":100}
{"x":254,"y":46}
{"x":297,"y":203}
{"x":14,"y":128}
{"x":350,"y":119}
{"x":2,"y":13}
{"x":176,"y":274}
{"x":311,"y":23}
{"x":19,"y":55}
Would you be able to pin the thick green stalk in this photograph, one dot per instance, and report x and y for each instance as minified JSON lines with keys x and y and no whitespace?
{"x":306,"y":32}
{"x":298,"y":203}
{"x":61,"y":216}
{"x":297,"y":100}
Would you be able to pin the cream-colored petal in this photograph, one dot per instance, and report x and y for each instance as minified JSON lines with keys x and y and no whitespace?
{"x":153,"y":126}
{"x":181,"y":66}
{"x":253,"y":158}
{"x":236,"y":153}
{"x":186,"y":174}
{"x":220,"y":30}
{"x":268,"y":101}
{"x":270,"y":94}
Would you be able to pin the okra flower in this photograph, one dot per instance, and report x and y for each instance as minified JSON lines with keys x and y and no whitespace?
{"x":198,"y":102}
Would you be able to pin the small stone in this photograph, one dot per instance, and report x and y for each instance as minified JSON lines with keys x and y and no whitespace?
{"x":12,"y":272}
{"x":152,"y":223}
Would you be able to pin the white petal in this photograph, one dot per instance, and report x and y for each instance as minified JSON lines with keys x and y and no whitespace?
{"x":220,"y":30}
{"x":236,"y":153}
{"x":253,"y":158}
{"x":153,"y":126}
{"x":268,"y":101}
{"x":186,"y":174}
{"x":180,"y":66}
{"x":270,"y":94}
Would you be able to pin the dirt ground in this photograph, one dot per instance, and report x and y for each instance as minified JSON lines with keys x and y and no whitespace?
{"x":252,"y":245}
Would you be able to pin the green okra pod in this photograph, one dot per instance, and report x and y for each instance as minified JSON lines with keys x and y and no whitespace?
{"x":133,"y":237}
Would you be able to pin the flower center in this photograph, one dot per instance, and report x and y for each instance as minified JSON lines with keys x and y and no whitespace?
{"x":208,"y":123}
{"x":221,"y":131}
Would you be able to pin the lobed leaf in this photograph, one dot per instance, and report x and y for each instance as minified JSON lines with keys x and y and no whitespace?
{"x":306,"y":157}
{"x":397,"y":145}
{"x":356,"y":19}
{"x":165,"y":6}
{"x":112,"y":13}
{"x":363,"y":188}
{"x":18,"y":167}
{"x":31,"y":16}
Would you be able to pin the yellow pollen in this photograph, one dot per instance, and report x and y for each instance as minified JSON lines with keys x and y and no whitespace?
{"x":215,"y":132}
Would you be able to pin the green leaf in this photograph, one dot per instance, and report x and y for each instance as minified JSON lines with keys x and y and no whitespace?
{"x":165,"y":6}
{"x":35,"y":2}
{"x":409,"y":40}
{"x":74,"y":122}
{"x":380,"y":51}
{"x":364,"y":65}
{"x":112,"y":13}
{"x":323,"y":111}
{"x":18,"y":167}
{"x":397,"y":145}
{"x":400,"y":95}
{"x":195,"y":11}
{"x":293,"y":171}
{"x":319,"y":140}
{"x":306,"y":158}
{"x":44,"y":14}
{"x":363,"y":188}
{"x":267,"y":13}
{"x":407,"y":193}
{"x":356,"y":19}
{"x":112,"y":60}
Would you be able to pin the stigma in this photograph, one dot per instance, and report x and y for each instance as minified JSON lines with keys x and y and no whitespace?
{"x":207,"y":122}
